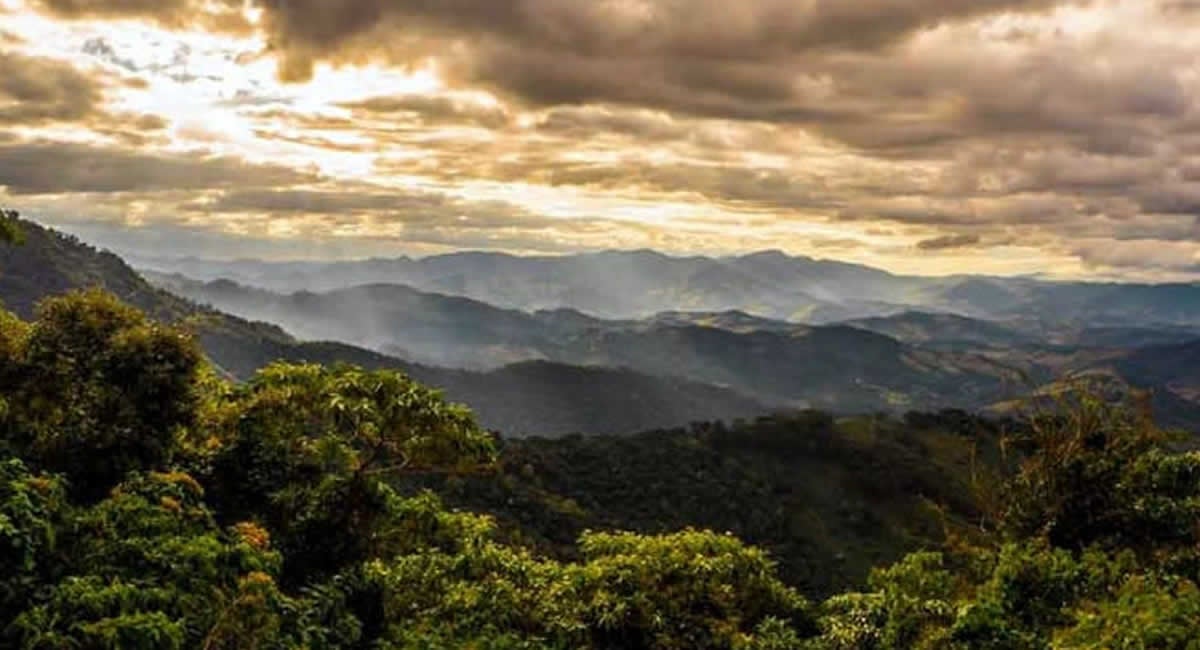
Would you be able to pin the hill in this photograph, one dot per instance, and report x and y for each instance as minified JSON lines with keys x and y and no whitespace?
{"x":829,"y":499}
{"x":947,"y":331}
{"x":844,"y":369}
{"x":539,"y":398}
{"x":1174,"y":367}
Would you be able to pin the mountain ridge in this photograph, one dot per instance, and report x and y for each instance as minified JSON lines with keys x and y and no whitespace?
{"x":836,"y":367}
{"x":769,"y":284}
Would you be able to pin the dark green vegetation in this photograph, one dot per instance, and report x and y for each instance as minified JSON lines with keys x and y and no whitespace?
{"x":545,"y":398}
{"x":145,"y":502}
{"x":829,"y":499}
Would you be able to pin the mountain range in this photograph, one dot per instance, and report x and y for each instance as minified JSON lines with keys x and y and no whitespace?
{"x":908,"y":360}
{"x":623,"y":341}
{"x":770,"y":284}
{"x":841,"y":368}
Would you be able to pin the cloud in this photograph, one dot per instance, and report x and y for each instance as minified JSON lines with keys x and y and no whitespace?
{"x":56,"y":168}
{"x":117,"y":8}
{"x":755,"y":59}
{"x":948,"y":242}
{"x":310,"y":201}
{"x":377,"y":207}
{"x":226,"y":15}
{"x":36,"y":90}
{"x":504,"y":41}
{"x":434,"y":110}
{"x":1139,"y":254}
{"x":955,"y":124}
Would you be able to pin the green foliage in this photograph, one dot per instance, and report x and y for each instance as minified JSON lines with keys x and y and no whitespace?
{"x":911,"y":606}
{"x":148,"y":568}
{"x":689,"y":590}
{"x":1094,"y":546}
{"x":308,"y":449}
{"x":829,"y":499}
{"x":147,"y":503}
{"x":10,"y":228}
{"x":96,"y":390}
{"x":32,"y":512}
{"x":1073,"y":484}
{"x":1144,"y":613}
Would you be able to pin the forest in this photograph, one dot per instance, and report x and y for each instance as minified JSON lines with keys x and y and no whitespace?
{"x":146,"y":501}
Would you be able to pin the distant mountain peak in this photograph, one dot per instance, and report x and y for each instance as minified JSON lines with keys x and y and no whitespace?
{"x":770,"y":254}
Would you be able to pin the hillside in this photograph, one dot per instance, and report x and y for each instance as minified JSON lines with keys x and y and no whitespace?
{"x":844,"y":369}
{"x":539,"y":398}
{"x":946,"y":331}
{"x":828,"y":499}
{"x":430,"y":328}
{"x":1176,"y":367}
{"x":144,"y":504}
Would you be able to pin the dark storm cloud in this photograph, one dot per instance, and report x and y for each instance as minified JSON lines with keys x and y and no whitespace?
{"x":755,"y":59}
{"x":904,"y":113}
{"x":593,"y":31}
{"x":813,"y":64}
{"x":56,"y":168}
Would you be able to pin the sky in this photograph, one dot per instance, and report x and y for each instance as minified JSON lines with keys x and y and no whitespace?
{"x":920,"y":136}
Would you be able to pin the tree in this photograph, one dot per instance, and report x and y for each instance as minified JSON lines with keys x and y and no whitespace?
{"x":33,"y":508}
{"x":692,"y":590}
{"x":1095,"y":545}
{"x":1099,"y":472}
{"x":10,"y":227}
{"x":148,"y":568}
{"x":310,"y":449}
{"x":97,"y":390}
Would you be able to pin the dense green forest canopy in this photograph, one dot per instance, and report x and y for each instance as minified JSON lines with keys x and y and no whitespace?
{"x":145,"y":502}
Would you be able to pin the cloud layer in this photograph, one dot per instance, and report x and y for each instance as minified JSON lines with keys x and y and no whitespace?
{"x":929,"y":136}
